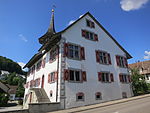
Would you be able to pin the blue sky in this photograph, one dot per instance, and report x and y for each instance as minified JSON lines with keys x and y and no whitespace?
{"x":22,"y":22}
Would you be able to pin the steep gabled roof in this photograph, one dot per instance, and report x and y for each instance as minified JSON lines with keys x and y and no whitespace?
{"x":88,"y":13}
{"x":58,"y":35}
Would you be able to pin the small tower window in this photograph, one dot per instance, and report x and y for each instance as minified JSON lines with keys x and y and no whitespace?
{"x":51,"y":93}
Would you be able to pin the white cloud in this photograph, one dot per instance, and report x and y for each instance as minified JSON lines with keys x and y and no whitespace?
{"x":147,"y":55}
{"x":128,"y":5}
{"x":22,"y":65}
{"x":22,"y":37}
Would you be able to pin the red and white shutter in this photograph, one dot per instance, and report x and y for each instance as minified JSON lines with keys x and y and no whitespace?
{"x":95,"y":37}
{"x":82,"y":53}
{"x":111,"y":77}
{"x":99,"y":76}
{"x":109,"y":58}
{"x":84,"y":76}
{"x":66,"y":74}
{"x":117,"y":60}
{"x":97,"y":56}
{"x":126,"y":62}
{"x":56,"y":76}
{"x":83,"y":33}
{"x":65,"y":50}
{"x":49,"y":78}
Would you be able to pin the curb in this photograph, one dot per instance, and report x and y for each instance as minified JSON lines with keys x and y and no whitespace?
{"x":109,"y":103}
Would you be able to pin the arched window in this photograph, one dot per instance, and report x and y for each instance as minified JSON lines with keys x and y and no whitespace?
{"x":51,"y":93}
{"x":98,"y":96}
{"x":124,"y":95}
{"x":80,"y":96}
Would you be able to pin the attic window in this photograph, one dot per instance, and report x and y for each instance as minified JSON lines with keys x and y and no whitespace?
{"x":89,"y":35}
{"x":90,"y":23}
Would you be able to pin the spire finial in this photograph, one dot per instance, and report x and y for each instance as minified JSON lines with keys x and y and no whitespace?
{"x":51,"y":29}
{"x":52,"y":10}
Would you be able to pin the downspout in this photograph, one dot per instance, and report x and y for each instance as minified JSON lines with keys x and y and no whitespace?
{"x":57,"y":75}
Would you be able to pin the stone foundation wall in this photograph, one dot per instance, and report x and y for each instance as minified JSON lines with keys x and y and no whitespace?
{"x":43,"y":107}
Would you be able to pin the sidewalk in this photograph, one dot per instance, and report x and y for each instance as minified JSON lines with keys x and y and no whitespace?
{"x":79,"y":109}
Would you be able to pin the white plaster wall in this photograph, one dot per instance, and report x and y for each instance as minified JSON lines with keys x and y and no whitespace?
{"x":49,"y":67}
{"x":110,"y":91}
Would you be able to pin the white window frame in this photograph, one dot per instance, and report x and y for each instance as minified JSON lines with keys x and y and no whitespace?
{"x":75,"y":48}
{"x":75,"y":78}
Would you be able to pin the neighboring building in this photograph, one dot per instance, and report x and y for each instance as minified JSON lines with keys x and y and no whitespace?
{"x":144,"y":69}
{"x":81,"y":65}
{"x":3,"y":88}
{"x":3,"y":74}
{"x":12,"y":92}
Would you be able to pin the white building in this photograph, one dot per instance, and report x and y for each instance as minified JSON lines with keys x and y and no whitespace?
{"x":81,"y":65}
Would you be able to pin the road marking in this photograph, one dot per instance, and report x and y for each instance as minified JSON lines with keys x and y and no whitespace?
{"x":116,"y":112}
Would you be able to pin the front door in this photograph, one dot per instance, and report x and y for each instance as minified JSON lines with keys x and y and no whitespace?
{"x":30,"y":97}
{"x":42,"y":86}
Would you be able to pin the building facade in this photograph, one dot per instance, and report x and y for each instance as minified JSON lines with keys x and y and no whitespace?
{"x":81,"y":65}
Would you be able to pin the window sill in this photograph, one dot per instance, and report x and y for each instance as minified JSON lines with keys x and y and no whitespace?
{"x":123,"y":67}
{"x":105,"y":82}
{"x":80,"y":100}
{"x":75,"y":81}
{"x":125,"y":82}
{"x":74,"y":58}
{"x":51,"y":82}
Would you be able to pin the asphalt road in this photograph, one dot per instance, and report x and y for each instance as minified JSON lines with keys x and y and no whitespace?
{"x":135,"y":106}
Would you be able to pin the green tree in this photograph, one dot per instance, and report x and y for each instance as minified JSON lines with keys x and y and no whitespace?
{"x":138,"y":83}
{"x":3,"y":99}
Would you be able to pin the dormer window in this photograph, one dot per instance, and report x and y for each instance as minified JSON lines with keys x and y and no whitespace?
{"x":90,"y":23}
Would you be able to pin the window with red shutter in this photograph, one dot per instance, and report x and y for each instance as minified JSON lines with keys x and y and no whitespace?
{"x":99,"y":76}
{"x":84,"y":76}
{"x":109,"y":58}
{"x":97,"y":56}
{"x":65,"y":50}
{"x":82,"y":53}
{"x":95,"y":37}
{"x":66,"y":74}
{"x":83,"y":33}
{"x":111,"y":77}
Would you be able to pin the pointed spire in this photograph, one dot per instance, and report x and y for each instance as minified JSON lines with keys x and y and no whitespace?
{"x":51,"y":29}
